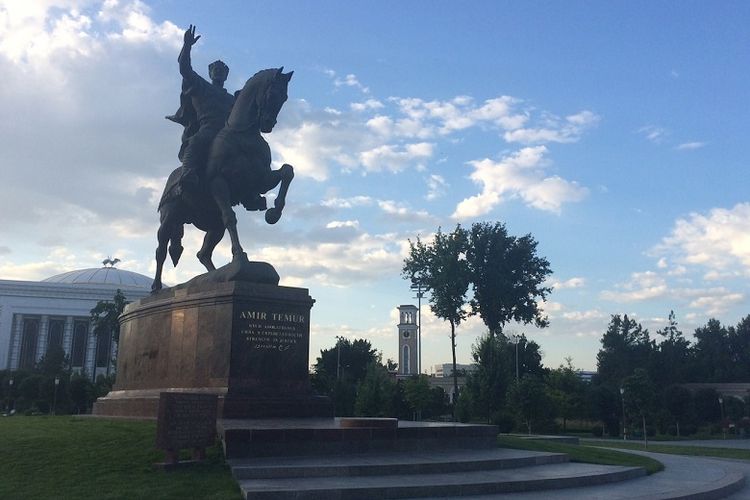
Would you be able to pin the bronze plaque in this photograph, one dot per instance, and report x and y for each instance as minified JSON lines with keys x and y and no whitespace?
{"x":186,"y":420}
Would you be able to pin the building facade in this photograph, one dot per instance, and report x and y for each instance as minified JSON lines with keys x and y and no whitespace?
{"x":36,"y":315}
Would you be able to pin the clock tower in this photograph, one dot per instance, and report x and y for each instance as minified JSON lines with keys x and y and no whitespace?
{"x":407,"y":340}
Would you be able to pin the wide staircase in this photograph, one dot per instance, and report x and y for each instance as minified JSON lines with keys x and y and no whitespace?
{"x":361,"y":459}
{"x":403,"y":474}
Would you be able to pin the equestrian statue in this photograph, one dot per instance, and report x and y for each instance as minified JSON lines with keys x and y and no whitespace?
{"x":225,"y":160}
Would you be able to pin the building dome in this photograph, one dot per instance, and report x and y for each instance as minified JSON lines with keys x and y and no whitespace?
{"x":102,"y":276}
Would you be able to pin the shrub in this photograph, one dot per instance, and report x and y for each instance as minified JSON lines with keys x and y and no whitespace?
{"x":597,"y":431}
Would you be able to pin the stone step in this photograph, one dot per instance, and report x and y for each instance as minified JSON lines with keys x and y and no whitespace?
{"x":391,"y":463}
{"x":293,"y":437}
{"x":452,"y":484}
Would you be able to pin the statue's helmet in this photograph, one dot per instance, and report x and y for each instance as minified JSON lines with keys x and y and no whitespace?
{"x":217,"y":70}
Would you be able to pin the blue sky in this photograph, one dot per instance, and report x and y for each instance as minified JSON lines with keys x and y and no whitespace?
{"x":613,"y":132}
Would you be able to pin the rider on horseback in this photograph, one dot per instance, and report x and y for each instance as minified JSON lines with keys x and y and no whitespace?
{"x":204,"y":109}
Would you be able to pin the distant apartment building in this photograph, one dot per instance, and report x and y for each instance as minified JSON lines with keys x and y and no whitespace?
{"x":446,"y":369}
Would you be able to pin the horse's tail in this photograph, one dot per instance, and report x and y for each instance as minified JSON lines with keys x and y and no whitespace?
{"x":175,"y":243}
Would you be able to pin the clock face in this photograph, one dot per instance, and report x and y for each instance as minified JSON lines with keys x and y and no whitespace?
{"x":406,"y":334}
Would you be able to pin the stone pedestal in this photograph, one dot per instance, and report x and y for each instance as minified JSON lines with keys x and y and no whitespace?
{"x":246,"y":342}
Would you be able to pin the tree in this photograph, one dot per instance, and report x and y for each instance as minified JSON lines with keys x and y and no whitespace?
{"x":375,"y":393}
{"x":495,"y":360}
{"x":441,"y":267}
{"x":105,"y":317}
{"x":567,"y":391}
{"x":418,"y":395}
{"x":54,"y":363}
{"x":338,"y":371}
{"x":488,"y":385}
{"x":713,"y":360}
{"x":625,"y":346}
{"x":81,"y":392}
{"x":639,"y":396}
{"x":605,"y":406}
{"x":529,"y":399}
{"x":739,"y":348}
{"x":678,"y":402}
{"x":672,"y":357}
{"x":707,"y":408}
{"x":507,"y":277}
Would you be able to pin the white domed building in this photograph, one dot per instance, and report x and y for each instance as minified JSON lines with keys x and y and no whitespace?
{"x":35,"y":315}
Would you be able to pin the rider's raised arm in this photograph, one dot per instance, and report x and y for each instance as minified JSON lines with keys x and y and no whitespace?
{"x":186,"y":68}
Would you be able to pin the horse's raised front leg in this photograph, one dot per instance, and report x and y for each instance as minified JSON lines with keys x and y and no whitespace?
{"x":286,"y":173}
{"x":212,"y":238}
{"x":222,"y":197}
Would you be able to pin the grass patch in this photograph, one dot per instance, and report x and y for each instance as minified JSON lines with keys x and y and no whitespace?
{"x":701,"y":451}
{"x":585,"y":454}
{"x":68,"y":457}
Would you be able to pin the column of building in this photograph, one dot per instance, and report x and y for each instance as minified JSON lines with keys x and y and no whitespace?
{"x":15,"y":341}
{"x":90,"y":360}
{"x":41,"y":342}
{"x":68,"y":335}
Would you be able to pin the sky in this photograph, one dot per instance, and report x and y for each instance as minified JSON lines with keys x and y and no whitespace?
{"x":613,"y":132}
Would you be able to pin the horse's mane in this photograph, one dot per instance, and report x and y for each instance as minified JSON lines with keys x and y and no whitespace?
{"x":260,"y":80}
{"x":245,"y":98}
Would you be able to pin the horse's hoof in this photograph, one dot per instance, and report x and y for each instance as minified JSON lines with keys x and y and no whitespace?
{"x":273,"y":215}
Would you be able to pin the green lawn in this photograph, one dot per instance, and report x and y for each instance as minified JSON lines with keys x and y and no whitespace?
{"x":581,"y":453}
{"x":79,"y":458}
{"x":702,"y":451}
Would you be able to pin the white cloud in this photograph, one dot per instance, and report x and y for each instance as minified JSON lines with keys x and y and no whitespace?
{"x":350,"y":80}
{"x":592,"y":314}
{"x":566,"y":130}
{"x":362,"y":259}
{"x":402,"y":211}
{"x":519,"y":175}
{"x":366,"y":105}
{"x":718,"y":241}
{"x":335,"y":224}
{"x":687,"y":146}
{"x":575,"y":282}
{"x":395,"y":158}
{"x":642,"y":286}
{"x":653,"y":133}
{"x":436,"y":185}
{"x":719,"y":302}
{"x":354,"y":201}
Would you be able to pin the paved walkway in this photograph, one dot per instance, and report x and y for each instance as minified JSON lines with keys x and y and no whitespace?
{"x":683,"y":477}
{"x":743,"y":444}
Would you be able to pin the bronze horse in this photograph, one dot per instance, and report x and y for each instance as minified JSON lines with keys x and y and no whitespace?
{"x":238,"y":171}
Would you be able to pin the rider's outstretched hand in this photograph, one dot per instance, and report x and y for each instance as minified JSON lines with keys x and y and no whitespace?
{"x":190,"y":37}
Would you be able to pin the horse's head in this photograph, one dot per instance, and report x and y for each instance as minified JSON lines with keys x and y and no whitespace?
{"x":272,"y":99}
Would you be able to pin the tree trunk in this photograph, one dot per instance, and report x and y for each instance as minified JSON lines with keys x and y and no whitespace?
{"x":455,"y":373}
{"x":645,"y":436}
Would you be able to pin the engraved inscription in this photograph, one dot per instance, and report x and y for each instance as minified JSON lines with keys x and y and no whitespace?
{"x":268,"y":330}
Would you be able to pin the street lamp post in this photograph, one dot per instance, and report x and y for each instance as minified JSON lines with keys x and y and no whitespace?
{"x":419,"y":289}
{"x":624,"y":426}
{"x":338,"y":358}
{"x":54,"y":397}
{"x":10,"y":390}
{"x":514,"y":339}
{"x":721,"y":407}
